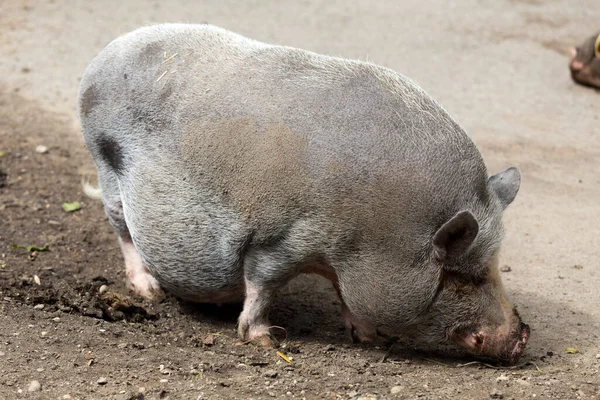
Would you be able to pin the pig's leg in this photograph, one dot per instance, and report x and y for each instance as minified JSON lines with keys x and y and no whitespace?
{"x":138,"y":277}
{"x":264,"y":274}
{"x":253,"y":324}
{"x":359,"y":331}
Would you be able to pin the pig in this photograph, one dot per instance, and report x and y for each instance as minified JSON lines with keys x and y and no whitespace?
{"x":228,"y":166}
{"x":585,"y":62}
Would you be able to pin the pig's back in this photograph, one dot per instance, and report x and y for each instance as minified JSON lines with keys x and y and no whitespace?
{"x":269,"y":135}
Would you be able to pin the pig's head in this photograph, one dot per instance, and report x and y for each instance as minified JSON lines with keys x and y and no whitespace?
{"x":451,"y":293}
{"x":585,"y":62}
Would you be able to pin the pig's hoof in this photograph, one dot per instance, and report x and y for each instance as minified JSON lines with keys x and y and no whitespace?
{"x":260,"y":336}
{"x":265,"y":340}
{"x":359,"y":331}
{"x":145,"y":285}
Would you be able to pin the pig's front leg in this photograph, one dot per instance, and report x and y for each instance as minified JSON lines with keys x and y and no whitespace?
{"x":359,"y":331}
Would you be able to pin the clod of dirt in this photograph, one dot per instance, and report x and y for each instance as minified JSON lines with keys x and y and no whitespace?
{"x":41,"y":149}
{"x":494,"y":394}
{"x":116,"y":306}
{"x":209,"y":340}
{"x":270,"y":373}
{"x":3,"y":178}
{"x":102,"y":381}
{"x":329,"y":347}
{"x":506,"y":268}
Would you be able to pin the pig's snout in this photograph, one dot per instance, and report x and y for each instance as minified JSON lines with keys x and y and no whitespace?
{"x":522,"y":339}
{"x":504,"y":345}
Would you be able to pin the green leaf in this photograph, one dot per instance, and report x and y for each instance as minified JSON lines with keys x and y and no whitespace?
{"x":70,"y":207}
{"x":31,"y":248}
{"x":571,"y":350}
{"x":35,"y":248}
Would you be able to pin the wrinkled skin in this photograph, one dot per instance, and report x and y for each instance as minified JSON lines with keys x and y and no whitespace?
{"x":471,"y":312}
{"x":228,"y":166}
{"x":585,"y":62}
{"x":462,"y":301}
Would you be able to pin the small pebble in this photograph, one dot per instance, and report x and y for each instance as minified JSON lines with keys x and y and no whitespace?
{"x":164,"y":380}
{"x":396,"y":389}
{"x":367,"y":397}
{"x":502,"y":378}
{"x":506,"y":268}
{"x":41,"y":149}
{"x":270,"y":373}
{"x":102,"y":289}
{"x":66,"y":396}
{"x":102,"y":381}
{"x":34,"y":386}
{"x":329,"y":347}
{"x":38,"y":307}
{"x":56,"y":319}
{"x":598,"y":355}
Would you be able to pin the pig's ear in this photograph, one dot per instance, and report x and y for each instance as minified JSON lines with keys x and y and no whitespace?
{"x":506,"y":185}
{"x":455,"y":236}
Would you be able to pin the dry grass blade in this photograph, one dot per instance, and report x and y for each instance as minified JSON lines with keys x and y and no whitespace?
{"x":160,"y":77}
{"x":170,"y":58}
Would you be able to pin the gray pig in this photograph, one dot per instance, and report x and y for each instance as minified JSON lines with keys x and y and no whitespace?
{"x":228,"y":166}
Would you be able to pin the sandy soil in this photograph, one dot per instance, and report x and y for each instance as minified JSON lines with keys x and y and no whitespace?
{"x":498,"y":66}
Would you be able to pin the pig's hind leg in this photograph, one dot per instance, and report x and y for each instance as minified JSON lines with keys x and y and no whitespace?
{"x":138,"y":277}
{"x":265,"y":272}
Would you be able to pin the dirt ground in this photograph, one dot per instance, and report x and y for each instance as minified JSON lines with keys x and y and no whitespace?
{"x":499,"y":66}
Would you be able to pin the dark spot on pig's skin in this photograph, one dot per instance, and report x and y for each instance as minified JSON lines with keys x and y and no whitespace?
{"x":89,"y":100}
{"x":111,"y":153}
{"x":152,"y":53}
{"x":151,"y":121}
